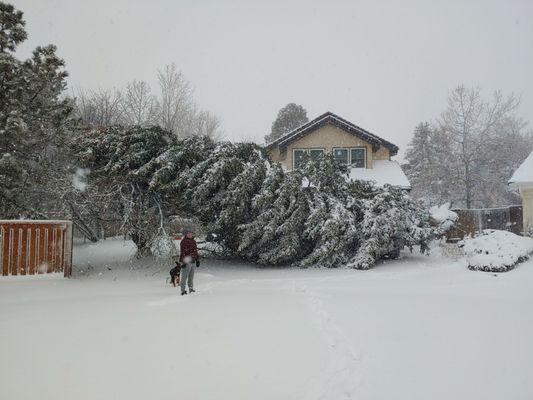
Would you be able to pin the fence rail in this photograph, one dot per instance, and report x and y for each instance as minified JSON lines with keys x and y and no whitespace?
{"x":30,"y":247}
{"x":473,"y":221}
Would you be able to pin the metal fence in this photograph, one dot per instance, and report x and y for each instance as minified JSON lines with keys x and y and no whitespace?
{"x":473,"y":221}
{"x":30,"y":247}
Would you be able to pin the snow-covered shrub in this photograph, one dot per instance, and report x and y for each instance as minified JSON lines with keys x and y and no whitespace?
{"x":496,"y":251}
{"x":162,"y":246}
{"x":443,"y":217}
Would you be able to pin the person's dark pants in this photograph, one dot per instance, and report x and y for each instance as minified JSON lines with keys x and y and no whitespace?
{"x":187,"y":276}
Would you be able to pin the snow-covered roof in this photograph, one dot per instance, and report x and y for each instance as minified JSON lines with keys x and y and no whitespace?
{"x":524,"y":174}
{"x":335,"y":120}
{"x":383,"y":172}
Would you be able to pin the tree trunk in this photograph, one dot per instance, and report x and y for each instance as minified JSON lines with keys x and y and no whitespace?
{"x":468,"y":186}
{"x":81,"y":225}
{"x":141,"y":242}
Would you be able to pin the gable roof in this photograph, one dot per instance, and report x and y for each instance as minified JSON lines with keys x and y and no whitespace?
{"x":335,"y":120}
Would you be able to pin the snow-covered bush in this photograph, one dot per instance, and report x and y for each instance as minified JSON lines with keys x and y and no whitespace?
{"x":162,"y":246}
{"x":496,"y":251}
{"x":443,"y":217}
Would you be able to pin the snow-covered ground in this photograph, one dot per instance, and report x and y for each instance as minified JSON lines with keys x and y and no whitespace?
{"x":417,"y":328}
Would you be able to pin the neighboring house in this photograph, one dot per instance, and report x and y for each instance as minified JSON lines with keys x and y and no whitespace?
{"x":522,"y":180}
{"x":368,"y":155}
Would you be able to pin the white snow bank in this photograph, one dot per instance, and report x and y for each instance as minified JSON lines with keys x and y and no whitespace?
{"x":383,"y":172}
{"x":496,"y":251}
{"x":524,"y":173}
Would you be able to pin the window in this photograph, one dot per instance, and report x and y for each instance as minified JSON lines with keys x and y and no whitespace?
{"x":358,"y":157}
{"x":299,"y":156}
{"x":315,"y":153}
{"x":341,"y":156}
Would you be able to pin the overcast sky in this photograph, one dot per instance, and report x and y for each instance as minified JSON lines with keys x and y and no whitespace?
{"x":384,"y":65}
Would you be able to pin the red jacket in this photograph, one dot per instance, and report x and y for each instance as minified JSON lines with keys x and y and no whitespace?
{"x":188,"y":249}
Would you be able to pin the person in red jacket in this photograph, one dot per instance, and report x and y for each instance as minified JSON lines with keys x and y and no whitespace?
{"x":189,"y":261}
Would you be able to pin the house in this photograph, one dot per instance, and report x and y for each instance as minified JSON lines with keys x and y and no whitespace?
{"x":368,"y":155}
{"x":522,"y":180}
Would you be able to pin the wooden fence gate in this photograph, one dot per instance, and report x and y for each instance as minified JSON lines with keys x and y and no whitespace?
{"x":29,"y":247}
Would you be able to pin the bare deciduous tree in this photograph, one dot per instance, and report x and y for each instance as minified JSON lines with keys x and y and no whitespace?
{"x":173,"y":109}
{"x":175,"y":106}
{"x":472,"y":125}
{"x":206,"y":124}
{"x":467,"y":156}
{"x":138,"y":104}
{"x":102,"y":107}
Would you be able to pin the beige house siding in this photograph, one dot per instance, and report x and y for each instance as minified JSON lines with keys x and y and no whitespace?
{"x":382,"y":154}
{"x":527,"y":207}
{"x":327,"y":137}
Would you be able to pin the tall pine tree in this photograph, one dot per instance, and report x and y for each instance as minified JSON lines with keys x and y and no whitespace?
{"x":289,"y":117}
{"x":35,"y":122}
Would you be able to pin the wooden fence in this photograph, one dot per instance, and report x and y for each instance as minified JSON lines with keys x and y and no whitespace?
{"x":30,"y":247}
{"x":473,"y":221}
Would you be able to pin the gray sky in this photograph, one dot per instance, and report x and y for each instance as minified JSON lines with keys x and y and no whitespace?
{"x":384,"y":65}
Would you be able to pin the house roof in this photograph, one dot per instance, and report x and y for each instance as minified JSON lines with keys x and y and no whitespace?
{"x":382,"y":172}
{"x":335,"y":120}
{"x":524,"y":174}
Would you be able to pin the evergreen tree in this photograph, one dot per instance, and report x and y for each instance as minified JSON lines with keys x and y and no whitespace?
{"x":274,"y":237}
{"x":35,"y":122}
{"x":236,"y":204}
{"x":289,"y":117}
{"x":121,"y":164}
{"x":428,"y":165}
{"x":332,"y":229}
{"x":12,"y":31}
{"x":326,"y":174}
{"x":169,"y":169}
{"x":206,"y":183}
{"x":391,"y":221}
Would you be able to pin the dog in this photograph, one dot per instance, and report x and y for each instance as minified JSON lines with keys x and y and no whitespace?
{"x":175,"y":274}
